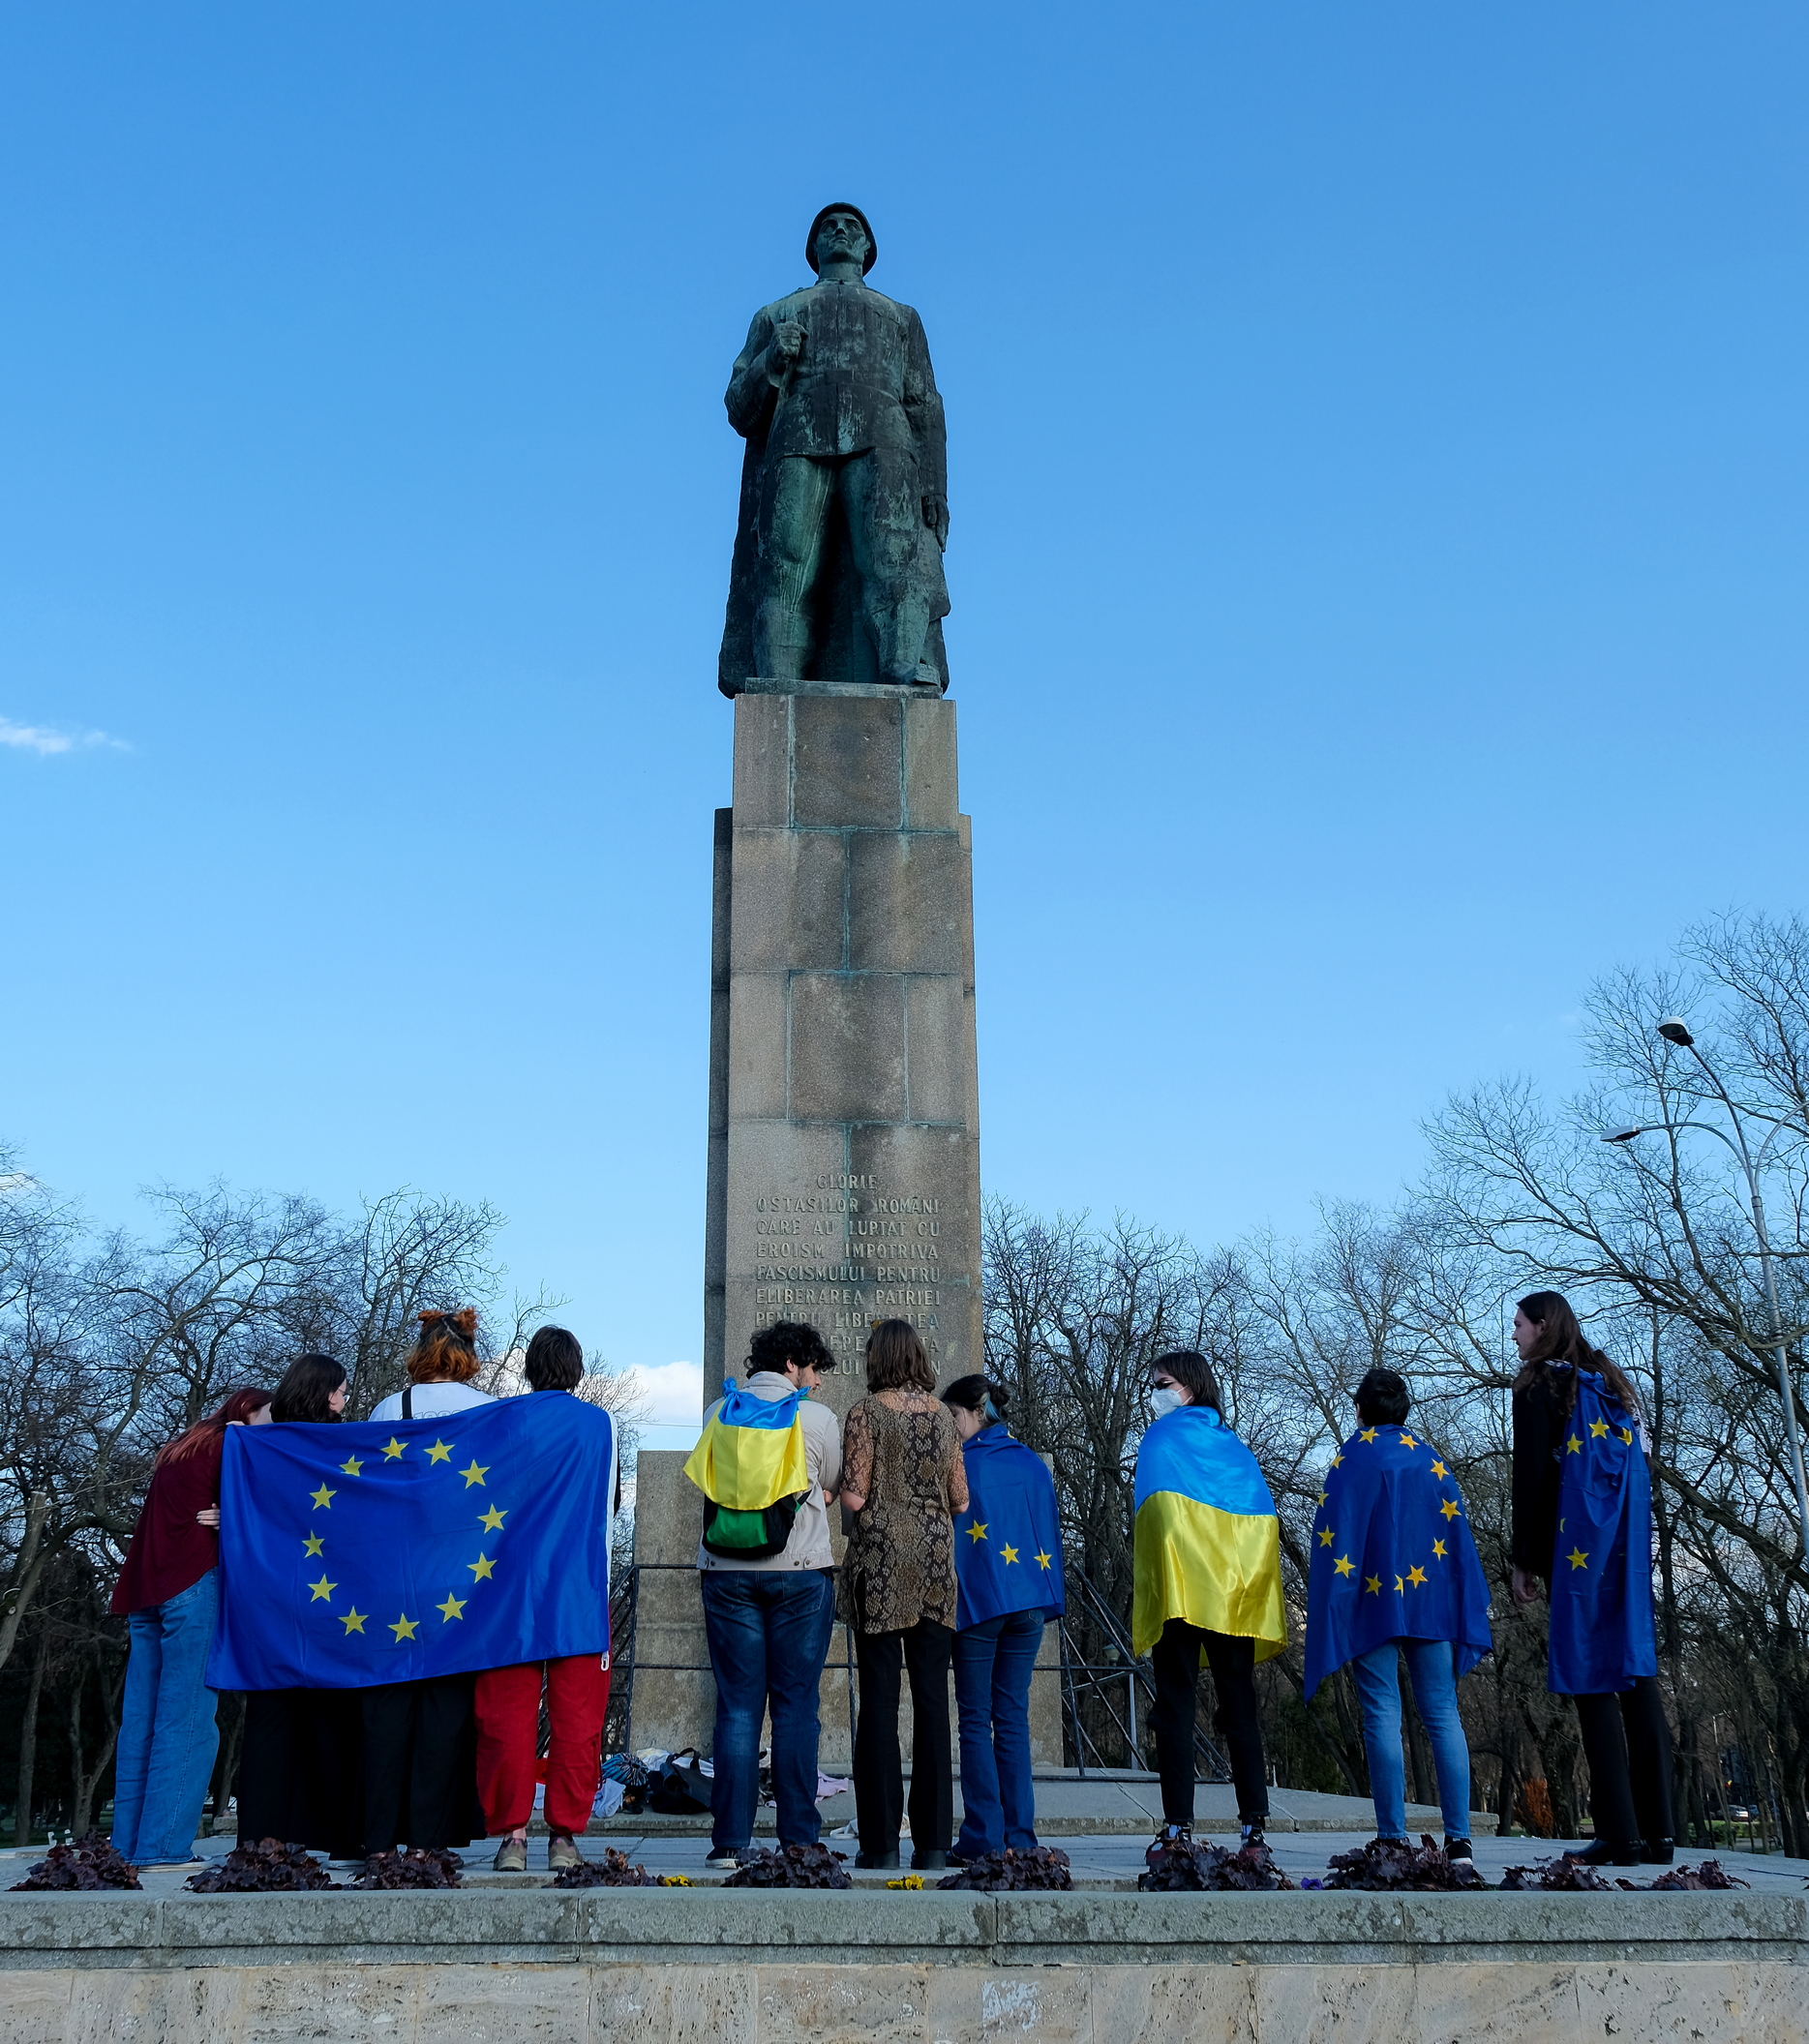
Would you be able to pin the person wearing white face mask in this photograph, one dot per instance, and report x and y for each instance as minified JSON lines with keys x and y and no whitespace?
{"x":1208,"y":1584}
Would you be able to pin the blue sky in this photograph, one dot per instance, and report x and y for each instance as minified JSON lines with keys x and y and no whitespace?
{"x":1377,"y":455}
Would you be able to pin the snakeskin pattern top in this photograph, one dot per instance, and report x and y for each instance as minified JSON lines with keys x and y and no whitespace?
{"x":900,"y":1452}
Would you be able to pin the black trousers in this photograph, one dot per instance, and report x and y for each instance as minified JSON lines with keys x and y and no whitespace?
{"x":924,"y":1648}
{"x":1176,"y":1658}
{"x":420,"y":1764}
{"x":301,"y":1771}
{"x":1627,"y":1743}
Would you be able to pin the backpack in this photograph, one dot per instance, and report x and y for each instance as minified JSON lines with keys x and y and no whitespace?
{"x":750,"y":1466}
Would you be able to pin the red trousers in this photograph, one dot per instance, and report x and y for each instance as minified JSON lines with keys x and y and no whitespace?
{"x":508,"y":1739}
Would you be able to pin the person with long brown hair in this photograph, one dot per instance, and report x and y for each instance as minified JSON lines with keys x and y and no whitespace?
{"x":903,"y":1480}
{"x":1575,"y":1409}
{"x":169,"y":1591}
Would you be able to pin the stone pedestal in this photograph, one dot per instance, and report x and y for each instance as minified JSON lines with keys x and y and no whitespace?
{"x":844,"y":1121}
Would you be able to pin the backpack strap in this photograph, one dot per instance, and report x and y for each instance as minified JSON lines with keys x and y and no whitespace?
{"x":408,"y":1401}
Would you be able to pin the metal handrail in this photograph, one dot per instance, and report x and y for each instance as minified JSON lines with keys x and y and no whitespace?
{"x":1093,"y":1679}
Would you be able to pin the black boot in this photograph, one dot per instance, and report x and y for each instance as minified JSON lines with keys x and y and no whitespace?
{"x":1605,"y":1852}
{"x":878,"y":1859}
{"x":929,"y":1862}
{"x":1658,"y":1852}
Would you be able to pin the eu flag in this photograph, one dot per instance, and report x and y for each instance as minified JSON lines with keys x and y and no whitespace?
{"x":1207,"y":1544}
{"x":366,"y":1554}
{"x":1603,"y":1635}
{"x":1007,"y":1543}
{"x":1392,"y":1555}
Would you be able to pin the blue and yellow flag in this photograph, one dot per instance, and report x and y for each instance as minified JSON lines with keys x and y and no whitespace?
{"x":1208,"y":1542}
{"x":1603,"y":1635}
{"x":1007,"y":1543}
{"x":351,"y":1555}
{"x":752,"y":1451}
{"x":1392,"y":1555}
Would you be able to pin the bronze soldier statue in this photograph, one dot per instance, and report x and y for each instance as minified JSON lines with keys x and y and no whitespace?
{"x":837,"y":573}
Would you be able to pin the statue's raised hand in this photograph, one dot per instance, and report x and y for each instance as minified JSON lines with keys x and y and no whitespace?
{"x":936,"y":515}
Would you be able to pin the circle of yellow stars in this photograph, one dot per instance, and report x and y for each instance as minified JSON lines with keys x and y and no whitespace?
{"x":483,"y":1568}
{"x":1416,"y":1576}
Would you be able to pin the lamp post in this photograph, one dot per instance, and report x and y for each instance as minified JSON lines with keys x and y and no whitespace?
{"x":1675,"y":1030}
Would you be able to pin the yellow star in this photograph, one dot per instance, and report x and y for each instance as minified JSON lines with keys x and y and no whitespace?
{"x":392,"y":1449}
{"x":1440,"y":1469}
{"x":351,"y":1467}
{"x":1322,"y":1496}
{"x":323,"y":1498}
{"x":1407,"y":1441}
{"x":1325,"y":1536}
{"x":1009,"y":1553}
{"x":440,"y":1452}
{"x":453,"y":1608}
{"x":1400,"y":1587}
{"x":1438,"y":1549}
{"x":482,"y":1568}
{"x":322,"y":1590}
{"x":1043,"y":1560}
{"x":404,"y":1628}
{"x":1574,"y":1445}
{"x":1416,"y":1576}
{"x":1626,"y":1434}
{"x":313,"y":1543}
{"x":1338,"y":1461}
{"x":976,"y":1531}
{"x":474,"y":1473}
{"x":491,"y":1520}
{"x":1448,"y":1509}
{"x":1344,"y":1565}
{"x":1368,"y":1434}
{"x":1598,"y":1430}
{"x":354,"y":1621}
{"x":1576,"y":1559}
{"x":1372,"y":1585}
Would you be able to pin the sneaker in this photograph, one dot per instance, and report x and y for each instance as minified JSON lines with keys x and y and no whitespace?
{"x":724,"y":1859}
{"x":563,"y":1853}
{"x":1250,"y":1834}
{"x":511,"y":1857}
{"x":170,"y":1866}
{"x":1460,"y":1849}
{"x":1175,"y":1835}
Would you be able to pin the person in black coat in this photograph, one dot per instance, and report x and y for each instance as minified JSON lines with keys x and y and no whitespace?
{"x":1625,"y":1737}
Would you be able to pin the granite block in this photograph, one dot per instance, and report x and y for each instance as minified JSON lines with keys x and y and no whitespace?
{"x":763,"y":761}
{"x":847,"y":762}
{"x":939,"y":1048}
{"x":932,"y":796}
{"x":757,"y":1047}
{"x":910,"y":901}
{"x":847,"y":1047}
{"x":788,"y":909}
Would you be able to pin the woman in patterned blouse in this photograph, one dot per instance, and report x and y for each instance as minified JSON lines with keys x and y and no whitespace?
{"x":903,"y":1481}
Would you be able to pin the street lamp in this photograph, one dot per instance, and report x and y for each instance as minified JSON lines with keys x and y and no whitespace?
{"x":1675,"y":1030}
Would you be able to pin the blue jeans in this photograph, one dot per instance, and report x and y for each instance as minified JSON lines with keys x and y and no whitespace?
{"x":168,"y":1735}
{"x":769,"y":1631}
{"x":1434,"y":1675}
{"x":992,"y":1666}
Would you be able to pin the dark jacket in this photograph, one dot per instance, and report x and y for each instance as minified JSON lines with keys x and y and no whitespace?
{"x":1540,"y":1413}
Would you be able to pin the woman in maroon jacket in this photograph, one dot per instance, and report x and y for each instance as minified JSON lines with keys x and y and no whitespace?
{"x":169,"y":1590}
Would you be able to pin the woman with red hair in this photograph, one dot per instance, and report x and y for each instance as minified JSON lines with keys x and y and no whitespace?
{"x":169,"y":1593}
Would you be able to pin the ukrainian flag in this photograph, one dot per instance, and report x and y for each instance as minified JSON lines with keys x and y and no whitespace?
{"x":752,"y":1451}
{"x":1208,"y":1541}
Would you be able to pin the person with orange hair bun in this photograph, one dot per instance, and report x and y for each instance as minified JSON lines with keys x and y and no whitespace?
{"x":420,"y":1738}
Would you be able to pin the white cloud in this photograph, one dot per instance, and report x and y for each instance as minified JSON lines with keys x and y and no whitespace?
{"x":672,"y":1393}
{"x":43,"y":740}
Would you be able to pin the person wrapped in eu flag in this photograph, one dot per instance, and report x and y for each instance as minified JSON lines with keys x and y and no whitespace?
{"x":1007,"y":1566}
{"x":1582,"y":1525}
{"x":1207,"y":1581}
{"x":1395,"y":1575}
